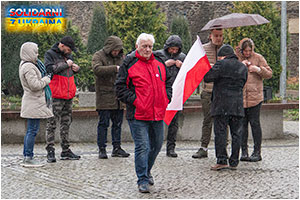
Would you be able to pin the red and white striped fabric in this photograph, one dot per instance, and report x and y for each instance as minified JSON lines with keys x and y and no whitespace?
{"x":190,"y":75}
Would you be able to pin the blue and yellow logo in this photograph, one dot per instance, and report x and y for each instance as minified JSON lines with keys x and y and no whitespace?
{"x":35,"y":19}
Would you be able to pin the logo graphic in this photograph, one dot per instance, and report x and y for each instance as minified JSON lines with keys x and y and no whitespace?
{"x":35,"y":19}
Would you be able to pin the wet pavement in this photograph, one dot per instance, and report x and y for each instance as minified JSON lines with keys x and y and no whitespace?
{"x":276,"y":176}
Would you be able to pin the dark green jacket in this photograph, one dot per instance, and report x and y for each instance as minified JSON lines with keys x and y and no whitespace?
{"x":105,"y":70}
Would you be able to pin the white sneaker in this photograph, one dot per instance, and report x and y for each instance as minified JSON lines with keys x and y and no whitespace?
{"x":31,"y":162}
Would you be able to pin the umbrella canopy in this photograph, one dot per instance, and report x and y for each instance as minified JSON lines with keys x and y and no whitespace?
{"x":235,"y":20}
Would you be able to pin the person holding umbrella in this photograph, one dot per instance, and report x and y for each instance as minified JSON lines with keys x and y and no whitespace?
{"x":258,"y":69}
{"x":211,"y":48}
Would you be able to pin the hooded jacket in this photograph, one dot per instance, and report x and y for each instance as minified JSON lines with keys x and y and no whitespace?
{"x":229,"y":77}
{"x":62,"y":84}
{"x":105,"y":70}
{"x":253,"y":90}
{"x":145,"y":86}
{"x":33,"y":100}
{"x":211,"y":52}
{"x":172,"y":41}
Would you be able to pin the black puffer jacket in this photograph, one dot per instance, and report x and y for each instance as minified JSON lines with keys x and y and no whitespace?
{"x":172,"y":41}
{"x":229,"y":76}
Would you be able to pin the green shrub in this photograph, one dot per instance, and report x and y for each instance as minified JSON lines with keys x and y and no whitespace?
{"x":98,"y":32}
{"x":85,"y":78}
{"x":266,"y":37}
{"x":180,"y":26}
{"x":291,"y":114}
{"x":10,"y":56}
{"x":10,"y":60}
{"x":128,"y":19}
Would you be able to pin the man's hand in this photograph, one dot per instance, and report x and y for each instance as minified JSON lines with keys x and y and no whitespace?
{"x":75,"y":67}
{"x":246,"y":62}
{"x":170,"y":62}
{"x":178,"y":63}
{"x":254,"y":68}
{"x":69,"y":62}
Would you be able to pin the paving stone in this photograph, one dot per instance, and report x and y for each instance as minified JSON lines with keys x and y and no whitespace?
{"x":276,"y":176}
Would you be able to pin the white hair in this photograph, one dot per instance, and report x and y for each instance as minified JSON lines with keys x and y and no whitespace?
{"x":145,"y":37}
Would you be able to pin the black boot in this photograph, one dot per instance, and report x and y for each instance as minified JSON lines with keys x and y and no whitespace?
{"x":50,"y":155}
{"x":102,"y":153}
{"x":171,"y":153}
{"x":255,"y":157}
{"x":245,"y":156}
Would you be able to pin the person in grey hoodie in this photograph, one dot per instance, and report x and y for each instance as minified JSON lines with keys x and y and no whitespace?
{"x":34,"y":80}
{"x":173,"y":57}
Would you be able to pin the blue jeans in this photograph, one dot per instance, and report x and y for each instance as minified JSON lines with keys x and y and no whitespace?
{"x":116,"y":117}
{"x":148,"y":138}
{"x":33,"y":126}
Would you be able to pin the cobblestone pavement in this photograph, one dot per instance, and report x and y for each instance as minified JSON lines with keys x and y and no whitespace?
{"x":276,"y":176}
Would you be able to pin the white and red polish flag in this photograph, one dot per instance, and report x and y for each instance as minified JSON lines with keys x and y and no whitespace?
{"x":190,"y":75}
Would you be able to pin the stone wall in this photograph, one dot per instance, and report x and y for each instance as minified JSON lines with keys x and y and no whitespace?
{"x":198,"y":13}
{"x":293,"y":43}
{"x":81,"y":14}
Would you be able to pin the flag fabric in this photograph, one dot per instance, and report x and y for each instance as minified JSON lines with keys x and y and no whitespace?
{"x":190,"y":75}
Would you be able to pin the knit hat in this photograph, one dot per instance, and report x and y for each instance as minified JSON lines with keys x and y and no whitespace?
{"x":225,"y":50}
{"x":68,"y":41}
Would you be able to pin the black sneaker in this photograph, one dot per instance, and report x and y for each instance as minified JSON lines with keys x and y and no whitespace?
{"x":51,"y":157}
{"x":119,"y":152}
{"x":69,"y":155}
{"x":102,"y":153}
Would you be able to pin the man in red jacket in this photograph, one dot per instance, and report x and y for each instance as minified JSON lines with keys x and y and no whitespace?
{"x":145,"y":86}
{"x":58,"y":60}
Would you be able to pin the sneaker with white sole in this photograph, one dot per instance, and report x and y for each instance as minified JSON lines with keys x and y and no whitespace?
{"x":31,"y":162}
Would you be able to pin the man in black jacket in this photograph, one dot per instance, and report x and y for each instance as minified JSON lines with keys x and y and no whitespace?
{"x":173,"y":57}
{"x":229,"y":76}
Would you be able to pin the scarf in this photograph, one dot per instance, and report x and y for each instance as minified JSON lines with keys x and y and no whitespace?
{"x":48,"y":94}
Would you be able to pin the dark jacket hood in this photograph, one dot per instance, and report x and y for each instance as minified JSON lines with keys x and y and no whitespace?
{"x":173,"y":41}
{"x":113,"y":43}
